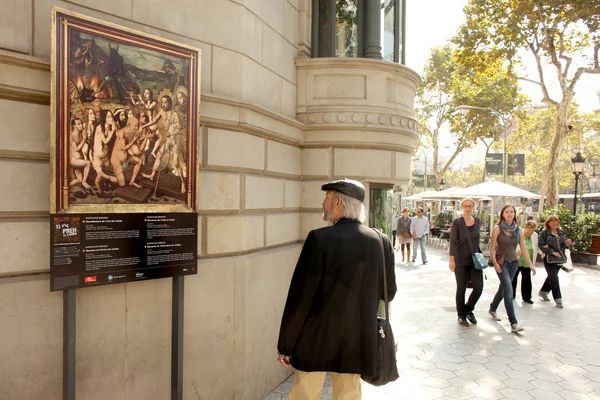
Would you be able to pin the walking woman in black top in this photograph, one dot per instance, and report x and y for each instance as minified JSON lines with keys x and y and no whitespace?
{"x":464,"y":242}
{"x":553,"y":240}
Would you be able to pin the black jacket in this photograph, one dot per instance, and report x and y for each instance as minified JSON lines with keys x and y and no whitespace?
{"x":459,"y":241}
{"x":330,"y":318}
{"x":554,"y":243}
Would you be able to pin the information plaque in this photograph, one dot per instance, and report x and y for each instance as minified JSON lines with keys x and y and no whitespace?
{"x":102,"y":249}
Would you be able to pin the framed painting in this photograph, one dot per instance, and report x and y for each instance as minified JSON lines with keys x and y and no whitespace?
{"x":124,"y":119}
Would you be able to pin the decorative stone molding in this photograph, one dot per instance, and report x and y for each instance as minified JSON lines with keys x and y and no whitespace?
{"x":357,"y":94}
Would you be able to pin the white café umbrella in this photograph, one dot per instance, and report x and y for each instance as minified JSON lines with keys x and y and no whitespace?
{"x":422,"y":195}
{"x":452,"y":193}
{"x":497,"y":188}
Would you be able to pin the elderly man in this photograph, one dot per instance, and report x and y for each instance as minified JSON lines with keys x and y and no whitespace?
{"x":329,"y":322}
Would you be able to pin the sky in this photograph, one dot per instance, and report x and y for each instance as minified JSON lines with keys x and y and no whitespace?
{"x":431,"y":23}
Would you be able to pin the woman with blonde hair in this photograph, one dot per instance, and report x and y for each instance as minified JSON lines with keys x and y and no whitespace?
{"x":505,"y":238}
{"x":464,"y":242}
{"x":403,"y":233}
{"x":553,"y":241}
{"x":531,"y":242}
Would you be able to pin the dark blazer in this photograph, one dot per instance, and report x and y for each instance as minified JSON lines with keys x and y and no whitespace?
{"x":459,"y":241}
{"x":554,"y":243}
{"x":330,"y":317}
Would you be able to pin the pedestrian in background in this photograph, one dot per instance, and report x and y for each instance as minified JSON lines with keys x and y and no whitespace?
{"x":553,"y":240}
{"x":395,"y":218}
{"x":464,"y":242}
{"x":503,"y":252}
{"x":329,"y":323}
{"x":531,"y":242}
{"x":419,"y":229}
{"x":403,"y":233}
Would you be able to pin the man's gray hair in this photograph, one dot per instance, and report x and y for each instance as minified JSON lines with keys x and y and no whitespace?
{"x":353,"y":208}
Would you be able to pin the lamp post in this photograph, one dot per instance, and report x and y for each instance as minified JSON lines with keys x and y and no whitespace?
{"x":578,"y":162}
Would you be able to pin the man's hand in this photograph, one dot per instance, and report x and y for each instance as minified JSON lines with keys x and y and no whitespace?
{"x":452,"y":265}
{"x":284,"y":360}
{"x":532,"y":268}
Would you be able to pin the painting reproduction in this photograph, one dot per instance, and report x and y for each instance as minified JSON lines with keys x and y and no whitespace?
{"x":124,"y":119}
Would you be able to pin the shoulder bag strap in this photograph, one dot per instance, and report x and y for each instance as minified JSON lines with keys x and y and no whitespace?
{"x":385,"y":296}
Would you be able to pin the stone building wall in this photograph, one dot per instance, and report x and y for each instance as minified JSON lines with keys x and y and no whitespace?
{"x":268,"y":139}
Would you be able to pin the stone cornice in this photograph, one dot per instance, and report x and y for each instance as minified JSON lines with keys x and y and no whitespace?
{"x":360,"y":63}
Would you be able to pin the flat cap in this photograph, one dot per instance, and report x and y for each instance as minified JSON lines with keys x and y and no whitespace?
{"x":348,"y":187}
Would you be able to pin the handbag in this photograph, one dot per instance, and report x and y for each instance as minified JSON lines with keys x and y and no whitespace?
{"x":387,"y":370}
{"x":406,"y":235}
{"x":499,"y":259}
{"x":479,"y":260}
{"x":552,"y":259}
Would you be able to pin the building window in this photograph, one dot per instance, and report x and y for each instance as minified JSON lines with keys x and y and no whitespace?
{"x":380,"y":207}
{"x":359,"y":28}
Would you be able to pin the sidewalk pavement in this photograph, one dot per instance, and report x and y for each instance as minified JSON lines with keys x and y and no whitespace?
{"x":556,"y":357}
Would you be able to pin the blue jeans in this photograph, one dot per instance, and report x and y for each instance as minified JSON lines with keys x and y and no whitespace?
{"x":505,"y":290}
{"x":422,"y":240}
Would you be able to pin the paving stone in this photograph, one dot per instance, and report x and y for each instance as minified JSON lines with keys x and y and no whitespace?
{"x":485,"y":393}
{"x":458,"y":393}
{"x":568,"y":395}
{"x":519,"y":375}
{"x":435,"y":382}
{"x":516,"y":394}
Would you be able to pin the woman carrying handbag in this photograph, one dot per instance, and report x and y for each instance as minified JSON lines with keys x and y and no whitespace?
{"x":464,"y":234}
{"x":553,"y":243}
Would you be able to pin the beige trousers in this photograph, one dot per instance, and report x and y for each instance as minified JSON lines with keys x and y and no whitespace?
{"x":308,"y":386}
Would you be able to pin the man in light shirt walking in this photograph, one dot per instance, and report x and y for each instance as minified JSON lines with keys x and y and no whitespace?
{"x":419,"y":229}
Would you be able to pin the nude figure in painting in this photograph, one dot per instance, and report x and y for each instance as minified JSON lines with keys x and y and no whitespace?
{"x":80,"y":166}
{"x":120,"y":157}
{"x":104,"y":133}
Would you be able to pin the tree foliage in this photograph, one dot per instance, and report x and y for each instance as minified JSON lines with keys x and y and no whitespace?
{"x":447,"y":85}
{"x":534,"y":132}
{"x":563,"y":36}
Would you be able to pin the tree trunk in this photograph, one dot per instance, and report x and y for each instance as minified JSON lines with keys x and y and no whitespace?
{"x":550,"y":188}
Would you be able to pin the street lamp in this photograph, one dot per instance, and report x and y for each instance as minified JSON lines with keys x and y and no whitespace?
{"x":578,"y":162}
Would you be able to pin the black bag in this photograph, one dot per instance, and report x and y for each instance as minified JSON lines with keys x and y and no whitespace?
{"x":387,"y":370}
{"x":551,"y":259}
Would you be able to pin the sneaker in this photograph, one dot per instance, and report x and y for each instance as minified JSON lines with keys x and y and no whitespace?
{"x":544,"y":295}
{"x":494,"y":315}
{"x":424,"y":262}
{"x":514,"y":328}
{"x":471,"y":318}
{"x":559,"y":303}
{"x":463,"y":321}
{"x":528,"y":301}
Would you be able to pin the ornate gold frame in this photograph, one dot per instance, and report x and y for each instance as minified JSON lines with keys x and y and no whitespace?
{"x":62,"y":23}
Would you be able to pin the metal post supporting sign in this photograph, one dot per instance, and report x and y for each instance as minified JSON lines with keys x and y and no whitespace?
{"x":69,"y":298}
{"x":177,"y":339}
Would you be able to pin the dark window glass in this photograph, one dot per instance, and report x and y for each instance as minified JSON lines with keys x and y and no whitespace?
{"x":325,"y":26}
{"x":338,"y":30}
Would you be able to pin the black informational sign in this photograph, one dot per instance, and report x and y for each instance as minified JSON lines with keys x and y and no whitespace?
{"x":104,"y":249}
{"x":494,"y":164}
{"x":419,"y":180}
